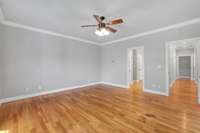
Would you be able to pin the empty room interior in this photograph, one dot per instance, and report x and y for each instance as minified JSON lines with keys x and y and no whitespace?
{"x":84,"y":66}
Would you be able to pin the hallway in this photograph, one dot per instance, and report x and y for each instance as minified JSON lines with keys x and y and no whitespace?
{"x":184,"y":90}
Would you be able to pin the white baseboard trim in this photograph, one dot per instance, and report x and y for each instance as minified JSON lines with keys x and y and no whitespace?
{"x":11,"y":99}
{"x":156,"y":92}
{"x":113,"y":84}
{"x":145,"y":90}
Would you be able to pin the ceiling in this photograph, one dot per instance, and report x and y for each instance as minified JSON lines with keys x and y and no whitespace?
{"x":66,"y":16}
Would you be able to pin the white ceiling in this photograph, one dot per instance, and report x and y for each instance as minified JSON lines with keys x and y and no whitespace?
{"x":66,"y":16}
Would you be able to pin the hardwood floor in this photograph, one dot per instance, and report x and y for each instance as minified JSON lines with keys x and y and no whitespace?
{"x":136,"y":87}
{"x":184,"y":91}
{"x":102,"y":109}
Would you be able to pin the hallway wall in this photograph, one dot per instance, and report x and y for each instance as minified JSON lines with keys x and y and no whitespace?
{"x":114,"y":57}
{"x":1,"y":62}
{"x":198,"y":52}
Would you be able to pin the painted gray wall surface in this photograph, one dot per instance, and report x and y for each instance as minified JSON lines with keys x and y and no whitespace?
{"x":198,"y":65}
{"x":33,"y":60}
{"x":114,"y":57}
{"x":1,"y":61}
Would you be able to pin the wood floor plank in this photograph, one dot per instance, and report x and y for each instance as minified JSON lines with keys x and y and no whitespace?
{"x":105,"y":109}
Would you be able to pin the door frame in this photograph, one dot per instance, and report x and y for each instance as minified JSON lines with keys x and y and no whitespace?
{"x":129,"y":65}
{"x":167,"y":45}
{"x":191,"y":66}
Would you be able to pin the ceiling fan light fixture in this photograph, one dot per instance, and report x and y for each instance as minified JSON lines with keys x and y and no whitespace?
{"x":98,"y":32}
{"x":104,"y":28}
{"x":105,"y":32}
{"x":102,"y":32}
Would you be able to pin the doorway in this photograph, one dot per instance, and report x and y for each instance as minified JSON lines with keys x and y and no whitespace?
{"x":184,"y":67}
{"x":136,"y":68}
{"x":182,"y":70}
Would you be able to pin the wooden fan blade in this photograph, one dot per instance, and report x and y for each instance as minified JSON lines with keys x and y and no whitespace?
{"x":83,"y":26}
{"x":116,"y":21}
{"x":111,"y":29}
{"x":97,"y":18}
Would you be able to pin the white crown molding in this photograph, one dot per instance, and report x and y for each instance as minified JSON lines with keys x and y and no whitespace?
{"x":175,"y":26}
{"x":30,"y":28}
{"x":21,"y":26}
{"x":170,"y":27}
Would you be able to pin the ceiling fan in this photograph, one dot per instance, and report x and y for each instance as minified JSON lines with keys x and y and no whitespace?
{"x":104,"y":28}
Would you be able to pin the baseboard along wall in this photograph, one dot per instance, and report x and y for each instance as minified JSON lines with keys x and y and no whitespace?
{"x":12,"y":99}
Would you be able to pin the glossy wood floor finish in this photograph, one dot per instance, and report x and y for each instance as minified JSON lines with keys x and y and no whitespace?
{"x":136,"y":87}
{"x":102,"y":109}
{"x":184,"y":91}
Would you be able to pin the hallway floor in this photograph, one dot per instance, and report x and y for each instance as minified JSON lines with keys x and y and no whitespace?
{"x":184,"y":90}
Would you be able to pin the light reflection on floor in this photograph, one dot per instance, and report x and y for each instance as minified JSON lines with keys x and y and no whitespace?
{"x":4,"y":131}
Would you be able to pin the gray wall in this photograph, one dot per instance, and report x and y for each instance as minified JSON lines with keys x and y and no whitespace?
{"x":33,"y":60}
{"x":114,"y":57}
{"x":1,"y":61}
{"x":198,"y":65}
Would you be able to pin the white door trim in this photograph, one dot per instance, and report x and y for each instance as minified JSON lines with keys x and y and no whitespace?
{"x":129,"y":65}
{"x":167,"y":44}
